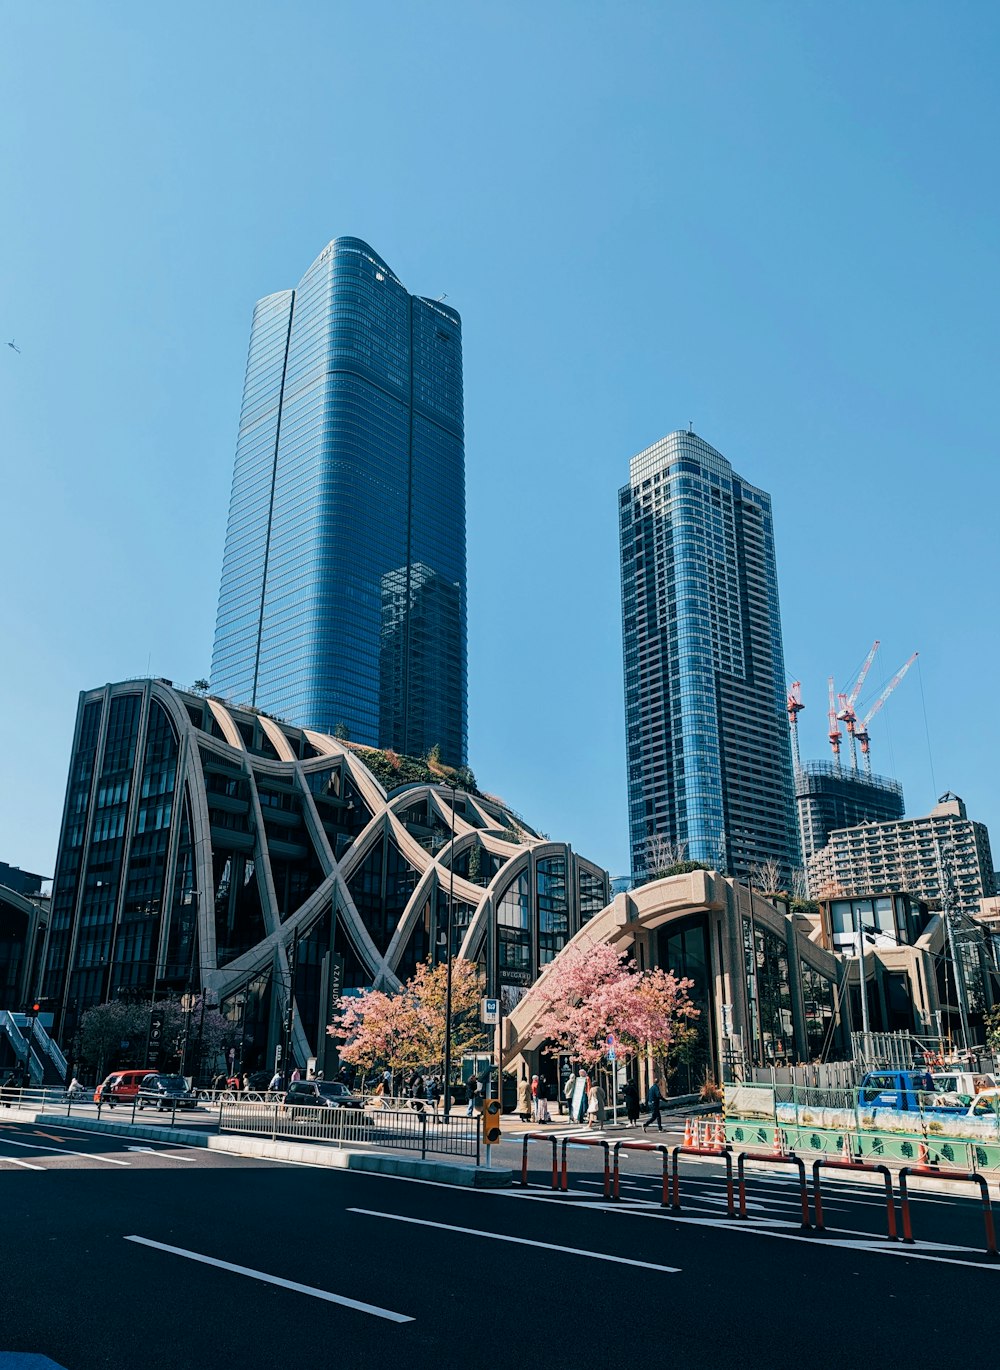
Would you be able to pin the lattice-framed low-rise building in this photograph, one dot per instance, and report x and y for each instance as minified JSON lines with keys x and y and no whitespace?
{"x":202,"y":843}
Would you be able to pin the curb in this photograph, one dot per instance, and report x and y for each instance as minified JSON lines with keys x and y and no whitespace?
{"x":374,"y":1162}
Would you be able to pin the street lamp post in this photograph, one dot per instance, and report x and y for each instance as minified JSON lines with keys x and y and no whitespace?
{"x":865,"y":1033}
{"x":448,"y":958}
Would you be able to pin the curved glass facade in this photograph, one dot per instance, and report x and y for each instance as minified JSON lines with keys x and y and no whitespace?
{"x":342,"y":602}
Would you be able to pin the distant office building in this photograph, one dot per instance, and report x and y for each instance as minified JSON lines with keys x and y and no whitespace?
{"x":709,"y":756}
{"x":23,"y":920}
{"x":945,"y":854}
{"x":350,"y":473}
{"x":23,"y":882}
{"x":828,"y":797}
{"x":210,"y":848}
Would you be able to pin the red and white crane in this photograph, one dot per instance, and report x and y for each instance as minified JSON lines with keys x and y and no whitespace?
{"x":834,"y":734}
{"x":861,"y":730}
{"x":845,"y":713}
{"x":794,"y":706}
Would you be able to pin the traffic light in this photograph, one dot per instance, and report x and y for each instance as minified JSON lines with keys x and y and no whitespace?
{"x":491,"y":1121}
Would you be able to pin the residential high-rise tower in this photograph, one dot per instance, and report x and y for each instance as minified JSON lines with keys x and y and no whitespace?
{"x":349,"y":475}
{"x":709,"y":757}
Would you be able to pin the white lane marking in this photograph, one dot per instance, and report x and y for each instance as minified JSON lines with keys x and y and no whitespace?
{"x":210,"y":1151}
{"x":63,"y":1151}
{"x":518,"y":1241}
{"x":261,"y":1275}
{"x":921,"y":1251}
{"x":148,"y":1151}
{"x":26,"y":1165}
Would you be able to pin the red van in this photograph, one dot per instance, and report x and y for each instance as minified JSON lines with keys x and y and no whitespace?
{"x":121,"y":1086}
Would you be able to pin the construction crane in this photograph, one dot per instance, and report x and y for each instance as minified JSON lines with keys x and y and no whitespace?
{"x":834,"y":734}
{"x":846,"y":714}
{"x":861,"y":731}
{"x":794,"y":706}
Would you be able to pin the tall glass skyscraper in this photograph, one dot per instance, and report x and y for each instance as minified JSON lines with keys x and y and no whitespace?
{"x":709,"y":756}
{"x":342,"y":603}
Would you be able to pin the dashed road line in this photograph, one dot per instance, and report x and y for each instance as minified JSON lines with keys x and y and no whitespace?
{"x":519,"y":1241}
{"x":373,"y":1309}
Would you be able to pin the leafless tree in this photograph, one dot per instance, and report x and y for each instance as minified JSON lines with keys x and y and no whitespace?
{"x":765,"y":876}
{"x":662,"y":853}
{"x":800,"y":884}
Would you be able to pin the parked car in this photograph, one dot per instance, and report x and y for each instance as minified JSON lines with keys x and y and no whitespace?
{"x":321,"y":1094}
{"x":260,"y":1079}
{"x":120,"y":1087}
{"x":166,"y":1091}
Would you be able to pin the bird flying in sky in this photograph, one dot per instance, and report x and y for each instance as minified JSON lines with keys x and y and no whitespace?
{"x":14,"y":345}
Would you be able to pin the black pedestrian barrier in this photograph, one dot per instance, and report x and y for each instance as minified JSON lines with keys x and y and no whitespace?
{"x":718,"y":1153}
{"x":935,"y":1172}
{"x":589,"y":1141}
{"x":824,"y":1162}
{"x":539,"y":1137}
{"x":774,"y":1159}
{"x":644,"y":1146}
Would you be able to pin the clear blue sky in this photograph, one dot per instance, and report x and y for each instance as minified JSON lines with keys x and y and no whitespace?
{"x":778,"y":220}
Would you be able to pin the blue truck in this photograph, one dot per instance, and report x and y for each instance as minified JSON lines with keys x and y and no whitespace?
{"x":902,"y":1091}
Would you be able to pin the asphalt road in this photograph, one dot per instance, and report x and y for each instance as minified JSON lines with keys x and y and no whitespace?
{"x":241,"y":1262}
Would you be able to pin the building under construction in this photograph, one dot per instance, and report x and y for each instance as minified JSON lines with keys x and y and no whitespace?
{"x":828,"y":797}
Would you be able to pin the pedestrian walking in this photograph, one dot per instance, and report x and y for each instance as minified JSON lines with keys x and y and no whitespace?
{"x":596,"y":1106}
{"x":435,"y":1093}
{"x":524,"y":1109}
{"x":473,"y":1089}
{"x":569,"y":1085}
{"x":296,"y":1075}
{"x":542,"y":1098}
{"x":631,"y":1096}
{"x":277,"y":1082}
{"x":534,"y":1098}
{"x":655,"y":1100}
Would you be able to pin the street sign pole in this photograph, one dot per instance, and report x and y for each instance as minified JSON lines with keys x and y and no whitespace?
{"x":614,"y":1076}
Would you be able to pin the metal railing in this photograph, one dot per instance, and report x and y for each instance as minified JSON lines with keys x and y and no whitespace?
{"x":397,"y":1129}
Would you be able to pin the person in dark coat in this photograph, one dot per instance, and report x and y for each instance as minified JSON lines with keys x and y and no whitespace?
{"x":654,"y":1099}
{"x":631,"y":1096}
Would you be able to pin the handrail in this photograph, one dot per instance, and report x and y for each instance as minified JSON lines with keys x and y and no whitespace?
{"x":50,"y":1048}
{"x":643,"y":1146}
{"x":539,"y":1137}
{"x":830,"y":1164}
{"x":774,"y":1159}
{"x":589,"y":1141}
{"x":935,"y":1172}
{"x":718,"y":1153}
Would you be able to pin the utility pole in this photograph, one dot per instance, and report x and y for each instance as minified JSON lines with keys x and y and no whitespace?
{"x":447,"y":991}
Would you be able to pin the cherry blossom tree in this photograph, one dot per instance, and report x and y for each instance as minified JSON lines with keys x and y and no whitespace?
{"x":407,"y":1029}
{"x":596,"y":991}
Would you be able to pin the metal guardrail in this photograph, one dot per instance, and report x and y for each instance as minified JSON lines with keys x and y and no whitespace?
{"x":399,"y":1129}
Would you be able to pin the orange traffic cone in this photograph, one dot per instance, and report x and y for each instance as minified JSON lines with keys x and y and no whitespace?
{"x":776,"y":1146}
{"x":845,"y":1151}
{"x":923,"y":1155}
{"x":719,"y":1137}
{"x":688,"y":1133}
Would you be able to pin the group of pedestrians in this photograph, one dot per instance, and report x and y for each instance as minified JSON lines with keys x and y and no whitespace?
{"x":585,"y":1101}
{"x":533,"y":1100}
